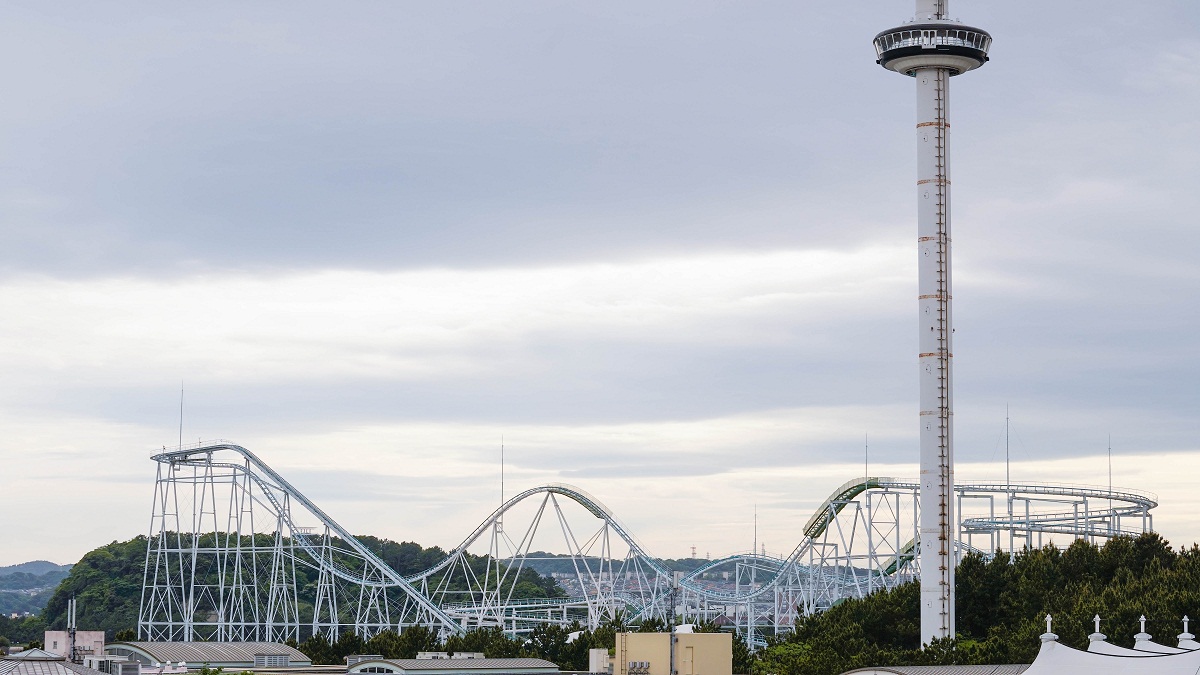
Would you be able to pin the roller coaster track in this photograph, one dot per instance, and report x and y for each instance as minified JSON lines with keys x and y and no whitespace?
{"x":236,"y":552}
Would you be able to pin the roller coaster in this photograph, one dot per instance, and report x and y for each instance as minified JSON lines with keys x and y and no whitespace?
{"x":236,"y":553}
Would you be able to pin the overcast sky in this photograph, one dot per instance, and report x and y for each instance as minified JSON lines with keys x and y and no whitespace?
{"x":666,"y":250}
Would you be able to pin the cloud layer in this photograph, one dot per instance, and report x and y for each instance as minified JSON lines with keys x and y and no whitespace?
{"x":665,"y":251}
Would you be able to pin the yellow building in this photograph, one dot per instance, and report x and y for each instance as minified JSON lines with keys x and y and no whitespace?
{"x":695,"y":654}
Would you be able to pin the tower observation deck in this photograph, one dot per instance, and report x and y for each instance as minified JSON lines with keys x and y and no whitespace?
{"x":931,"y":49}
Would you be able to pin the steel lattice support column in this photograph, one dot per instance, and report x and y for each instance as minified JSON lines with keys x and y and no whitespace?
{"x":931,"y":49}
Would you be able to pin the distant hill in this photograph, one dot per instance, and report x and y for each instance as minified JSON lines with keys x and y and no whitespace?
{"x":561,"y":563}
{"x":28,"y":586}
{"x":34,"y":567}
{"x":107,"y":582}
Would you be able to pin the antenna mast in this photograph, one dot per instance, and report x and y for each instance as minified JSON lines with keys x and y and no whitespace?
{"x":71,"y":630}
{"x":181,"y":414}
{"x":500,"y":518}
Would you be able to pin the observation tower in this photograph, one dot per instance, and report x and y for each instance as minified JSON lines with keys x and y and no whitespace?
{"x":931,"y":49}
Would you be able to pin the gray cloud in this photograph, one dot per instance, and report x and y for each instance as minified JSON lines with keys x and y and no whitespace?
{"x":155,"y":142}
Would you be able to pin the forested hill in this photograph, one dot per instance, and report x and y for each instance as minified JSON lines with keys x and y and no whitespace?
{"x":107,"y":583}
{"x":26,"y":587}
{"x":34,"y":568}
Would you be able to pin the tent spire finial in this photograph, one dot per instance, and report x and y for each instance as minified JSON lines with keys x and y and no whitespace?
{"x":1048,"y":636}
{"x":1185,"y":636}
{"x":1097,"y":636}
{"x":1143,"y":636}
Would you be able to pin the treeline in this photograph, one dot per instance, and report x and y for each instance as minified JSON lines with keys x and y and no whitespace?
{"x":566,"y":646}
{"x":1001,"y":609}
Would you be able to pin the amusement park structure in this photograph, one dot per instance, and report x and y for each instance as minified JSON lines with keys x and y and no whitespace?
{"x":236,"y":552}
{"x":931,"y":49}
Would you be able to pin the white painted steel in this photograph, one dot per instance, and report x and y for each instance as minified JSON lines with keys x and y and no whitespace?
{"x":935,"y":356}
{"x":237,"y":553}
{"x":931,"y":9}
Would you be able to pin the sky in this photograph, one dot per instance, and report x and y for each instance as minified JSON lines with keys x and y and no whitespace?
{"x":664,"y":250}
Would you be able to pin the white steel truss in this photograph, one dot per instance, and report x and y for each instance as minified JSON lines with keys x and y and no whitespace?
{"x":235,"y":552}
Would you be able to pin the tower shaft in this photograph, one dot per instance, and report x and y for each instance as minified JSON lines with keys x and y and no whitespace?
{"x":935,"y":356}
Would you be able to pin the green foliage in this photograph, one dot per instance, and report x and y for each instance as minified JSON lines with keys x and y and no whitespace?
{"x":653,"y":625}
{"x":566,"y":646}
{"x":554,"y":644}
{"x":1001,"y":605}
{"x":126,"y":635}
{"x":22,"y":630}
{"x":320,"y":651}
{"x":27,"y":587}
{"x":405,"y":645}
{"x":492,"y":642}
{"x":24,"y":581}
{"x":743,"y":660}
{"x":107,"y":585}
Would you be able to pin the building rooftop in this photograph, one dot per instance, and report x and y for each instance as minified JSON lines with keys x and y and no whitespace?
{"x":493,"y":665}
{"x":39,"y":662}
{"x":214,"y":653}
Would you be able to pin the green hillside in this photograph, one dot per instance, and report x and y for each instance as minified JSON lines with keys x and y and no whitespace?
{"x":107,"y":584}
{"x":33,"y":567}
{"x":28,"y":586}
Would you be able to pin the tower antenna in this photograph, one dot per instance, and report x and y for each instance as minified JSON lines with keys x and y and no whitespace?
{"x":500,"y":518}
{"x":181,"y":414}
{"x":931,"y":49}
{"x":1110,"y":518}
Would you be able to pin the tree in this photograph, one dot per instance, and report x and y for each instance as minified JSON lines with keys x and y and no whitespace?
{"x":743,"y":659}
{"x":318,"y":649}
{"x":1001,"y":604}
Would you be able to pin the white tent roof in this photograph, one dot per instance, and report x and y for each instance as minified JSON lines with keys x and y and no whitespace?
{"x":1102,"y":647}
{"x":1148,"y":645}
{"x":1057,"y":659}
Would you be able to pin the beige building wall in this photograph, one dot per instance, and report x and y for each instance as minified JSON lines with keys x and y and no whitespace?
{"x":87,"y":642}
{"x":695,"y":654}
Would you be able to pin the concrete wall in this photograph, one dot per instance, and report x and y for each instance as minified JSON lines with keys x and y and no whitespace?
{"x":695,"y":653}
{"x":87,"y":642}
